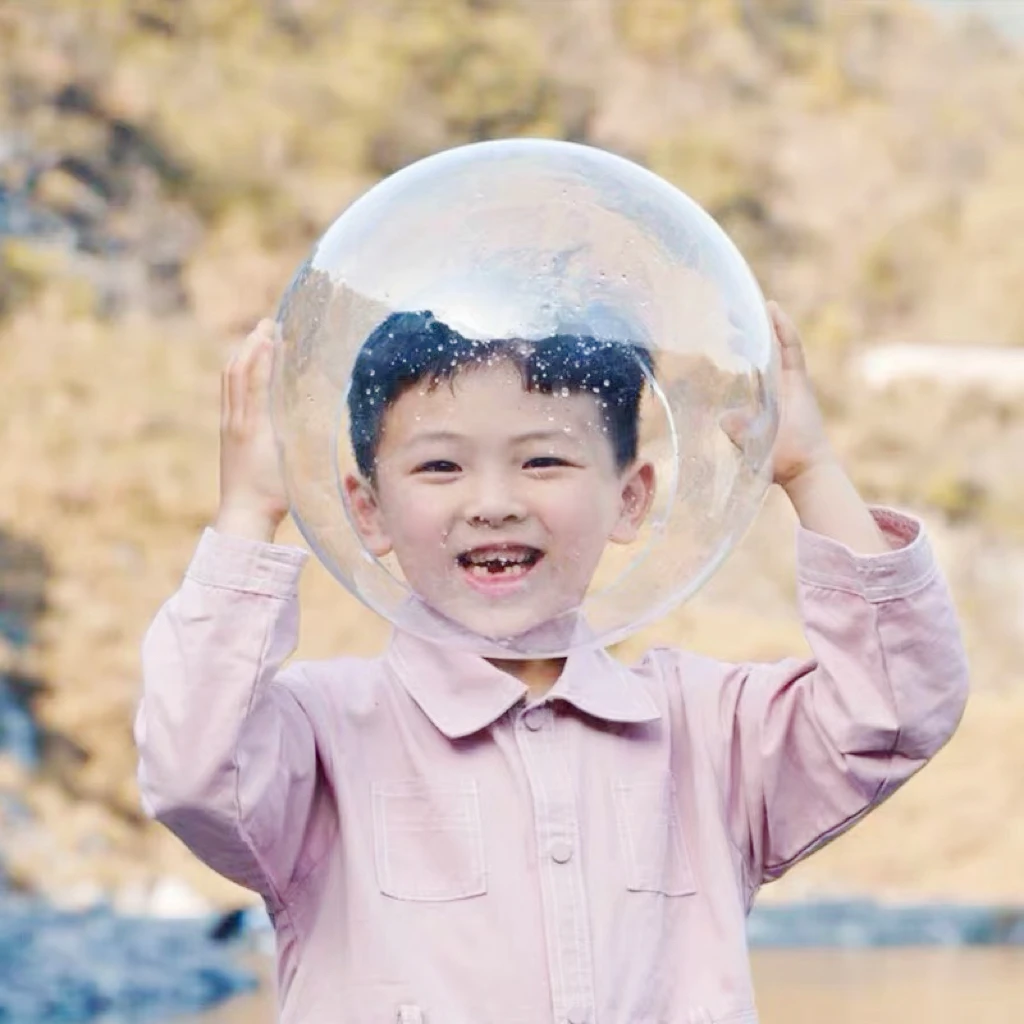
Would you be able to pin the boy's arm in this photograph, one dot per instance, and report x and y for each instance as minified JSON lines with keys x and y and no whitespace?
{"x":227,"y":757}
{"x":810,"y":747}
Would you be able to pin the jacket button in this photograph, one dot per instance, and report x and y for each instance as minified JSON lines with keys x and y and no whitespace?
{"x":561,"y":851}
{"x":535,"y":719}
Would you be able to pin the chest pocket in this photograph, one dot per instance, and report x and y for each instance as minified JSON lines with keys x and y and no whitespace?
{"x":428,"y":840}
{"x":651,"y":837}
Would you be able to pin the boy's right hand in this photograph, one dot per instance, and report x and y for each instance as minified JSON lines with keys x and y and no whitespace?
{"x":253,"y":500}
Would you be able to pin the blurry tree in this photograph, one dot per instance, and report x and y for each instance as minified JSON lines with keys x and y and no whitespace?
{"x":178,"y":156}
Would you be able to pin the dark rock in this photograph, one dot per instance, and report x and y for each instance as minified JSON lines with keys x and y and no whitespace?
{"x":868,"y":924}
{"x":77,"y":967}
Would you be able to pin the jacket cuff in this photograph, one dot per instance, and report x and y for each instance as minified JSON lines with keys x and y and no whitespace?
{"x":237,"y":563}
{"x":909,"y":566}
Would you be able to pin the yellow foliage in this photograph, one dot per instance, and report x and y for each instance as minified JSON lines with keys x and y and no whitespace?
{"x":656,"y":28}
{"x":829,"y":330}
{"x":882,"y":197}
{"x":956,"y":496}
{"x":708,"y":165}
{"x":26,"y":268}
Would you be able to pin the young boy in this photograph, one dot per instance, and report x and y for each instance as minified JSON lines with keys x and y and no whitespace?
{"x":444,"y":839}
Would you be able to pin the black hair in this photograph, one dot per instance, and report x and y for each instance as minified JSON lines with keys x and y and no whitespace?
{"x":408,"y":348}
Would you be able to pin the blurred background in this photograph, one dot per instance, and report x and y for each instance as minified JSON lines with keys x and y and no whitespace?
{"x":164,"y":166}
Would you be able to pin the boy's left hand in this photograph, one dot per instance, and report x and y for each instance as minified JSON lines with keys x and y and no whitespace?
{"x":801,"y":444}
{"x":803,"y":463}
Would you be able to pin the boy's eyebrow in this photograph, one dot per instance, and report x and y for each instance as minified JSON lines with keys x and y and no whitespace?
{"x":434,"y":436}
{"x":541,"y":435}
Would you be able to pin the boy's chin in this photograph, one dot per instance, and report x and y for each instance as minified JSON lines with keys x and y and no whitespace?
{"x":516,"y":631}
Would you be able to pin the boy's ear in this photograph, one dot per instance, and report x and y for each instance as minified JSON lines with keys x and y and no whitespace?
{"x":366,"y":515}
{"x":637,"y":497}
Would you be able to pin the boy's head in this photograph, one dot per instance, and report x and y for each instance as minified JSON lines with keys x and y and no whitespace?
{"x":496,"y":471}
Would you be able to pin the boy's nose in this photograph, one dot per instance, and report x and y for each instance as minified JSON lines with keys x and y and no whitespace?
{"x":494,"y":504}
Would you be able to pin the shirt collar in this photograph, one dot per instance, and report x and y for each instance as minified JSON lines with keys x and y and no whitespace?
{"x":461,"y":693}
{"x":601,"y":686}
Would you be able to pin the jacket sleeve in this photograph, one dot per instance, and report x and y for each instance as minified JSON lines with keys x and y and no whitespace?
{"x":812,"y":746}
{"x":227,"y":757}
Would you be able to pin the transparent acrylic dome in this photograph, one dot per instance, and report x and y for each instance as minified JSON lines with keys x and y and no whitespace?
{"x":500,"y":394}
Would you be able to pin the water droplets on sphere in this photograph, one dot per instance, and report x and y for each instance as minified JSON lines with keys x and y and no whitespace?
{"x":622,"y":319}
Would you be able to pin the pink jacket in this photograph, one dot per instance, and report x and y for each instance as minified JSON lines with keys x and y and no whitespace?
{"x":435,"y":849}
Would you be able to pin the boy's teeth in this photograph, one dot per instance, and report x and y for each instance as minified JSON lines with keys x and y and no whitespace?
{"x":507,"y":562}
{"x":493,"y":568}
{"x":504,"y":557}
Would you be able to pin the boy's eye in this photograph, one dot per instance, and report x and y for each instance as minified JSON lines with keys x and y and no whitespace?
{"x":437,"y":466}
{"x":545,"y":462}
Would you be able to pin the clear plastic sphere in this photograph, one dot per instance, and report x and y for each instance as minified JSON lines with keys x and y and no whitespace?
{"x":525,"y":397}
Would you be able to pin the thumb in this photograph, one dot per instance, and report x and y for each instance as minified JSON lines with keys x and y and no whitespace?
{"x":259,"y":379}
{"x":787,"y":337}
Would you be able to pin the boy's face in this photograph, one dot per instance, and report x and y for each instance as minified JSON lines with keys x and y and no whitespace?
{"x":497,"y":502}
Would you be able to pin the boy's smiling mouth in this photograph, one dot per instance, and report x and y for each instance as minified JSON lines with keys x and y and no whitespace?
{"x":491,"y":564}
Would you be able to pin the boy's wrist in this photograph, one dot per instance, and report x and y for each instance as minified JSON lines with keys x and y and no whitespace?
{"x":246,"y":522}
{"x":816,"y":477}
{"x":827,"y":503}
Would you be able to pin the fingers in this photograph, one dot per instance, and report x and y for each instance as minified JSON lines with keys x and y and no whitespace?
{"x":245,"y":378}
{"x":791,"y":349}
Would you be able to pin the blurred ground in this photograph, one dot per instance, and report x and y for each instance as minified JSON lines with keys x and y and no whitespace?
{"x":841,"y":987}
{"x":163,"y":167}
